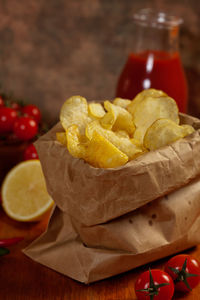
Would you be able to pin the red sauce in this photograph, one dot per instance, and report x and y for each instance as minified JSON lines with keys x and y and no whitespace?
{"x":154,"y":69}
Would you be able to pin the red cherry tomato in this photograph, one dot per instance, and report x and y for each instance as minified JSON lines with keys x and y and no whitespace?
{"x":15,"y":106}
{"x":30,"y":152}
{"x":1,"y":102}
{"x":8,"y":116}
{"x":25,"y":128}
{"x":185,"y":271}
{"x":154,"y":284}
{"x":32,"y":111}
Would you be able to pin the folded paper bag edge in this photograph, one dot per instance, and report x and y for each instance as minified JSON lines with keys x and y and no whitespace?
{"x":88,"y":265}
{"x":98,"y":195}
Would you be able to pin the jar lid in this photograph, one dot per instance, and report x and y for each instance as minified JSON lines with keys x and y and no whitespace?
{"x":154,"y":18}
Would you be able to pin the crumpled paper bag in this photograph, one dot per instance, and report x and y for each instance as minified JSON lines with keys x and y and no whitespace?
{"x":107,"y":221}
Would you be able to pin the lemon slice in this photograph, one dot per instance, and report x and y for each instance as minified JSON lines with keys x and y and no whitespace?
{"x":24,"y":193}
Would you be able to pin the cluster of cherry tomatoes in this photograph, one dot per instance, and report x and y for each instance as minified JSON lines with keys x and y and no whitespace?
{"x":181,"y":273}
{"x":21,"y":122}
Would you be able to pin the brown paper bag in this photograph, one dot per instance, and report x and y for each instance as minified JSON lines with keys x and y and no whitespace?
{"x":105,"y":220}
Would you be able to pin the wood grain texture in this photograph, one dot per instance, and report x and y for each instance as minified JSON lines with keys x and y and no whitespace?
{"x":23,"y":279}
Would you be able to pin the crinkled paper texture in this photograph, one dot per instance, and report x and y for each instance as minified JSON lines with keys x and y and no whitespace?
{"x":105,"y":220}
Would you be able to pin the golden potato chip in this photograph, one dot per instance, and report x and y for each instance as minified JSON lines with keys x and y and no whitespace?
{"x":96,"y":110}
{"x":61,"y":137}
{"x":142,"y":95}
{"x":139,"y":134}
{"x":137,"y":143}
{"x":103,"y":154}
{"x":122,"y":102}
{"x":122,"y":133}
{"x":109,"y":119}
{"x":74,"y":144}
{"x":75,"y":111}
{"x":161,"y":133}
{"x":124,"y":144}
{"x":151,"y":109}
{"x":187,"y":129}
{"x":117,"y":118}
{"x":93,"y":126}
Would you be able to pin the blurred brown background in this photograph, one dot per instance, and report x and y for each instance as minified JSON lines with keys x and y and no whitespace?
{"x":50,"y":50}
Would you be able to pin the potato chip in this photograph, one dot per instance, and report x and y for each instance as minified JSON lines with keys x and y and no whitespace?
{"x":74,"y":143}
{"x":61,"y":137}
{"x":137,"y":143}
{"x":187,"y":129}
{"x":75,"y":111}
{"x":103,"y":154}
{"x":109,"y":119}
{"x":96,"y":110}
{"x":124,"y":144}
{"x":117,"y":118}
{"x":142,"y":95}
{"x":122,"y":133}
{"x":161,"y":133}
{"x":122,"y":102}
{"x":139,"y":134}
{"x":151,"y":109}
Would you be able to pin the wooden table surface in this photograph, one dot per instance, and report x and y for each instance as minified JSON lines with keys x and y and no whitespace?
{"x":23,"y":279}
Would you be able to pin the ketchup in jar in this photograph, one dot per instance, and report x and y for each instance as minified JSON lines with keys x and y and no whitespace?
{"x":155,"y":61}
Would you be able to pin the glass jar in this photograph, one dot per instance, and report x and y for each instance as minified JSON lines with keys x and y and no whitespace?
{"x":154,"y":60}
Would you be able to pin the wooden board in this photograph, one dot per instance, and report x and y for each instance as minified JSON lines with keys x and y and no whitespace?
{"x":23,"y":279}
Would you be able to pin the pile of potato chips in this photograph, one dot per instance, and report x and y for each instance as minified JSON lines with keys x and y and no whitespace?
{"x":110,"y":134}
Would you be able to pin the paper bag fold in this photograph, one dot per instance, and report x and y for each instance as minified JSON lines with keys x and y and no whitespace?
{"x":98,"y":195}
{"x":166,"y":226}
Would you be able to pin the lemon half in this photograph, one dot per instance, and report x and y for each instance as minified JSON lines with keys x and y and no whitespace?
{"x":24,"y":193}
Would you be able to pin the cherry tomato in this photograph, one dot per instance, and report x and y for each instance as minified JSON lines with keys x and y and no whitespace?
{"x":8,"y":117}
{"x":30,"y":152}
{"x":1,"y":102}
{"x":15,"y":106}
{"x":154,"y":284}
{"x":185,"y":271}
{"x":25,"y":128}
{"x":32,"y":111}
